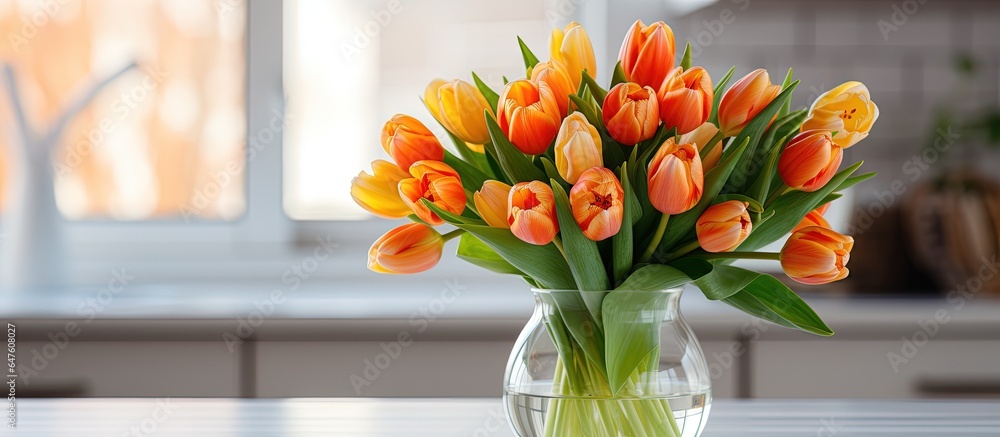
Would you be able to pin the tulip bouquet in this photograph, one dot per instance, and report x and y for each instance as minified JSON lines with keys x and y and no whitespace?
{"x":658,"y":180}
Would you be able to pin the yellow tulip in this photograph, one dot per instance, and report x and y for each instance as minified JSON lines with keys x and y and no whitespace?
{"x":847,"y":110}
{"x":571,"y":47}
{"x":578,"y":147}
{"x":491,"y":202}
{"x":459,"y":106}
{"x":377,"y":193}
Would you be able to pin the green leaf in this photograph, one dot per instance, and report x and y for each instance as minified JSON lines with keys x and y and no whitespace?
{"x":686,"y":58}
{"x":473,"y":250}
{"x":622,"y":249}
{"x":619,"y":75}
{"x":589,"y":111}
{"x":491,"y":160}
{"x":530,"y":60}
{"x":491,"y":96}
{"x":781,"y":300}
{"x":719,"y":88}
{"x":598,"y":92}
{"x":790,"y":209}
{"x":472,"y":177}
{"x":632,"y":331}
{"x":515,"y":164}
{"x":788,"y":103}
{"x":582,"y":254}
{"x":682,"y":225}
{"x":654,"y":277}
{"x":545,"y":264}
{"x":762,"y":184}
{"x":550,"y":169}
{"x":754,"y":130}
{"x":854,"y":180}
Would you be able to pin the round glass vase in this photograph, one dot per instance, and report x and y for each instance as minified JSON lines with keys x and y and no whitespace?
{"x":557,"y":378}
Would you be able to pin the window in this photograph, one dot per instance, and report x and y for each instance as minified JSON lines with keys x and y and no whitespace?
{"x":152,"y":144}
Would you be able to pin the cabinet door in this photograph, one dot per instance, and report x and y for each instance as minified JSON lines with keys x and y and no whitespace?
{"x":875,"y":369}
{"x":381,"y":369}
{"x":126,"y":368}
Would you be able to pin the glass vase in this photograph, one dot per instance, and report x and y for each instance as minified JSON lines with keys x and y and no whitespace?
{"x":557,"y":378}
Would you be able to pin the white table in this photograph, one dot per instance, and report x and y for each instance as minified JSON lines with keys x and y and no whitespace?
{"x":475,"y":417}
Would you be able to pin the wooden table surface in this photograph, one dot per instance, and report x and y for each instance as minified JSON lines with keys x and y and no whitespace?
{"x":474,"y":418}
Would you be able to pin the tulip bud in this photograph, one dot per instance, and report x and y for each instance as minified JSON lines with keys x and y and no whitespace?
{"x":813,"y":218}
{"x":675,"y":180}
{"x":809,"y":160}
{"x":532,"y":212}
{"x":407,"y":140}
{"x":724,"y":226}
{"x":411,"y":248}
{"x":745,"y":100}
{"x":847,"y":110}
{"x":378,"y":193}
{"x":555,"y":76}
{"x":436,"y":182}
{"x":647,"y":54}
{"x":630,"y":113}
{"x":686,"y":99}
{"x":578,"y":147}
{"x":529,"y":115}
{"x":597,"y":200}
{"x":816,"y":255}
{"x":572,"y":48}
{"x":491,"y":202}
{"x":700,"y":138}
{"x":459,"y":107}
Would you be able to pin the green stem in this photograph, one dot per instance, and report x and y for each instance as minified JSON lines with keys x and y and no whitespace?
{"x":660,"y":229}
{"x":684,"y":250}
{"x":772,"y":256}
{"x":451,"y":235}
{"x":711,"y":144}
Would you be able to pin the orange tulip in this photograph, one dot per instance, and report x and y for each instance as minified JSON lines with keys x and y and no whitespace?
{"x":532,"y":212}
{"x":724,"y":226}
{"x":816,"y":255}
{"x":529,"y":115}
{"x":809,"y":160}
{"x":686,"y":99}
{"x":407,"y":140}
{"x":813,"y":218}
{"x":578,"y":147}
{"x":555,"y":76}
{"x":436,"y":182}
{"x":572,"y":48}
{"x":700,"y":137}
{"x":411,"y":248}
{"x":597,"y":200}
{"x":647,"y":54}
{"x":459,"y":107}
{"x":378,"y":193}
{"x":676,"y":180}
{"x":491,"y":202}
{"x":745,"y":100}
{"x":630,"y":113}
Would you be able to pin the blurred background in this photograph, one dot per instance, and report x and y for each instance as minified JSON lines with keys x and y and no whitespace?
{"x":176,"y":217}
